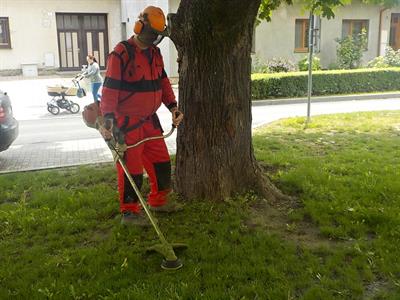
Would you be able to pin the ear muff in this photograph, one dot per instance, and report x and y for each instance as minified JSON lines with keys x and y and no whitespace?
{"x":152,"y":17}
{"x":138,"y":27}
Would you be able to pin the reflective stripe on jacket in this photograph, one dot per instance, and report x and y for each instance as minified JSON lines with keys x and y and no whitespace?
{"x":136,"y":87}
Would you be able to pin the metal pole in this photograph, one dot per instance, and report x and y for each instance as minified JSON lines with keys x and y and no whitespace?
{"x":310,"y":63}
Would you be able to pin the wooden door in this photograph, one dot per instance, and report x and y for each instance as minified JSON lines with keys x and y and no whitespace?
{"x":79,"y":35}
{"x":395,"y":32}
{"x":95,"y":37}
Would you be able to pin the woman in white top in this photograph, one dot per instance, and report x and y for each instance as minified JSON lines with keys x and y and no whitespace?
{"x":93,"y":73}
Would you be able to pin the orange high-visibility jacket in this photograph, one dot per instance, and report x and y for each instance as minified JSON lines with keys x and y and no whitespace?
{"x":134,"y":85}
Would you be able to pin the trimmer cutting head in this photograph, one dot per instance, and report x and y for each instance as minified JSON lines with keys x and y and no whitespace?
{"x":170,"y":261}
{"x":171,"y":265}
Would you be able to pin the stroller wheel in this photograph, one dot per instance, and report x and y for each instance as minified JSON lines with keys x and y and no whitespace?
{"x":53,"y":109}
{"x":74,"y":108}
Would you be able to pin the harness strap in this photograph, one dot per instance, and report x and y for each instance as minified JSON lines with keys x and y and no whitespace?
{"x":135,"y":126}
{"x":131,"y":54}
{"x":125,"y":124}
{"x":156,"y":122}
{"x":125,"y":129}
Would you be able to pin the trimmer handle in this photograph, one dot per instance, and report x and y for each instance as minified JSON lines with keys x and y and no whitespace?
{"x":111,"y":124}
{"x":118,"y":135}
{"x":177,"y":113}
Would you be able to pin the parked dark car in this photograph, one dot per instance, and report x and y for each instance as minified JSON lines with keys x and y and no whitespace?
{"x":8,"y":124}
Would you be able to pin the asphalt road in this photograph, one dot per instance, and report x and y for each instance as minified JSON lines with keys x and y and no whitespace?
{"x":53,"y":130}
{"x":64,"y":127}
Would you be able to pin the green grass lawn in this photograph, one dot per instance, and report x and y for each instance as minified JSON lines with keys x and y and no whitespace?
{"x":60,"y":236}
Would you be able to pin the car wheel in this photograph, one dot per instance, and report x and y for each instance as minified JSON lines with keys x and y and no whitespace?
{"x":53,"y":110}
{"x":74,"y":108}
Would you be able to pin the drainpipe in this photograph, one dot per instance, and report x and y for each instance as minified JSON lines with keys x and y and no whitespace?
{"x":380,"y":30}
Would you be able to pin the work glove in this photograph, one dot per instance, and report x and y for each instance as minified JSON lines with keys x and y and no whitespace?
{"x":106,"y":125}
{"x":114,"y":137}
{"x":177,"y":117}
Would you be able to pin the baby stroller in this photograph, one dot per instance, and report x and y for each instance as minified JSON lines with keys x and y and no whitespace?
{"x":59,"y":93}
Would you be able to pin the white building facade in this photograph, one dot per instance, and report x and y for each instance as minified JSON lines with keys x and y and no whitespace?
{"x":287,"y":34}
{"x":58,"y":34}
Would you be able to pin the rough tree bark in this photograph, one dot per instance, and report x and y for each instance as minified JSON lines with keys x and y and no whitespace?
{"x":215,"y":156}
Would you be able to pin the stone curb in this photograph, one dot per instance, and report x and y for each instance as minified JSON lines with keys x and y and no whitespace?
{"x":325,"y":99}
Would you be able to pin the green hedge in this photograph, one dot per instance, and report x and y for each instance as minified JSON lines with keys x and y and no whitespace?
{"x":282,"y":85}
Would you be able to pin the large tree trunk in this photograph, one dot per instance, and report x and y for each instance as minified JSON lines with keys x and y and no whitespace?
{"x":215,"y":156}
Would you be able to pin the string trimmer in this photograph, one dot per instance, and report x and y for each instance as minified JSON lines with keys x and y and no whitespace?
{"x":118,"y":147}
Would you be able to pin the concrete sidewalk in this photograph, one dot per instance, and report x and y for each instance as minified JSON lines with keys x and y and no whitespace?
{"x":53,"y":155}
{"x":29,"y":96}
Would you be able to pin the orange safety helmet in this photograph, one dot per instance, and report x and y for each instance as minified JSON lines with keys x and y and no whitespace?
{"x":154,"y":17}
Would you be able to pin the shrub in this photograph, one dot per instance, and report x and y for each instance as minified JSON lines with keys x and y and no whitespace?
{"x":294,"y":84}
{"x":278,"y":65}
{"x":390,"y":59}
{"x":350,"y":50}
{"x":303,"y":64}
{"x":257,"y":66}
{"x":333,"y":66}
{"x":378,"y":62}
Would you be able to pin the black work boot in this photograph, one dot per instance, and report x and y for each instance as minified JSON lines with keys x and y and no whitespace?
{"x":132,"y":219}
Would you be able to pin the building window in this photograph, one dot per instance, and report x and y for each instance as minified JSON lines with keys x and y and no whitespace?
{"x":301,"y":35}
{"x":354,"y":27}
{"x":5,"y":41}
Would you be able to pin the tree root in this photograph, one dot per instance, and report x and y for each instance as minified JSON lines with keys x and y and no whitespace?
{"x":272,"y":194}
